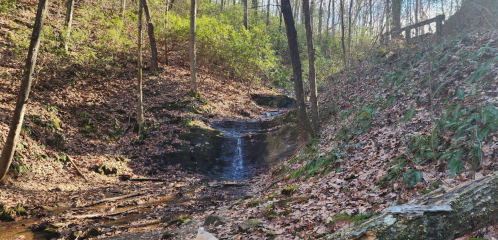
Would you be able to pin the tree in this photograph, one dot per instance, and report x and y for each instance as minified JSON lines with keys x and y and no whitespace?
{"x":268,"y":13}
{"x":23,"y":97}
{"x":311,"y":56}
{"x":320,"y":15}
{"x":69,"y":20}
{"x":304,"y":123}
{"x":123,"y":7}
{"x":152,"y":38}
{"x":396,"y":14}
{"x":140,"y":118}
{"x":437,"y":215}
{"x":165,"y":37}
{"x":193,"y":77}
{"x":255,"y":7}
{"x":350,"y":23}
{"x":344,"y":57}
{"x":327,"y":21}
{"x":245,"y":13}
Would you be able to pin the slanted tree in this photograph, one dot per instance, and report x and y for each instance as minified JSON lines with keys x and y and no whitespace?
{"x":193,"y":78}
{"x":438,"y":215}
{"x":311,"y":56}
{"x":140,"y":117}
{"x":69,"y":20}
{"x":23,"y":97}
{"x":152,"y":39}
{"x":307,"y":133}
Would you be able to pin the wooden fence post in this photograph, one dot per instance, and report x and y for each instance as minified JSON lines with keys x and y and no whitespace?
{"x":408,"y":33}
{"x":439,"y":26}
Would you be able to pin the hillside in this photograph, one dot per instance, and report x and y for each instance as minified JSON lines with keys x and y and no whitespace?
{"x":406,"y":121}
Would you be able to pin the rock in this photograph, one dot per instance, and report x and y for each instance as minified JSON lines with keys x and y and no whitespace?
{"x":289,"y":190}
{"x":277,"y":101}
{"x":105,"y":170}
{"x":92,"y":233}
{"x":75,"y":235}
{"x":248,"y":224}
{"x":6,"y":214}
{"x":213,"y":220}
{"x":168,"y":235}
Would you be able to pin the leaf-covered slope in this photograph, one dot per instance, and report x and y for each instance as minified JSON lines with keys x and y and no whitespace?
{"x":401,"y":124}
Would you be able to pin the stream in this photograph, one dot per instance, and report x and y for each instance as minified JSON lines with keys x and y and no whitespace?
{"x":229,"y":153}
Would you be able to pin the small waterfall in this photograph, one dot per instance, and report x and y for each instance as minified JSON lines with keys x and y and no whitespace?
{"x":238,"y":163}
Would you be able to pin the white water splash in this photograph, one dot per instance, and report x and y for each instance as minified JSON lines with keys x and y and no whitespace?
{"x":238,"y":164}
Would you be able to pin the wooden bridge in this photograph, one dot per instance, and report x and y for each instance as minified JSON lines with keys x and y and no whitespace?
{"x":385,"y":37}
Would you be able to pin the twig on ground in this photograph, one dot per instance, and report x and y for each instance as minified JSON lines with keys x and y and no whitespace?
{"x":76,"y":167}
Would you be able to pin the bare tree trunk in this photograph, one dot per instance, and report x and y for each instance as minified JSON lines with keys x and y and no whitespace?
{"x":23,"y":97}
{"x":268,"y":13}
{"x":435,"y":216}
{"x":333,"y":18}
{"x":140,"y":118}
{"x":221,"y":4}
{"x":327,"y":25}
{"x":416,"y":15}
{"x":350,"y":23}
{"x":150,"y":30}
{"x":311,"y":56}
{"x":312,"y":17}
{"x":344,"y":58}
{"x":255,"y":7}
{"x":371,"y":16}
{"x":69,"y":20}
{"x":165,"y":36}
{"x":123,"y":7}
{"x":396,"y":14}
{"x":280,"y":19}
{"x":307,"y":133}
{"x":320,"y":15}
{"x":296,"y":9}
{"x":193,"y":76}
{"x":245,"y":13}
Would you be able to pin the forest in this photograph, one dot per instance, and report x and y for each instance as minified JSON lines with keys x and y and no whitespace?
{"x":237,"y":119}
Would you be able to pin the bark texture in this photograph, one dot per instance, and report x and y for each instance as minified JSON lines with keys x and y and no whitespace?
{"x":343,"y":27}
{"x":140,"y":118}
{"x":245,"y":13}
{"x":438,"y":215}
{"x":304,"y":122}
{"x":193,"y":77}
{"x":312,"y":75}
{"x":23,"y":97}
{"x":396,"y":13}
{"x":152,"y":38}
{"x":69,"y":20}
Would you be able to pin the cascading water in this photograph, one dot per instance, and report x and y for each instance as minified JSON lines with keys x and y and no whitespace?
{"x":232,"y":149}
{"x":238,"y":159}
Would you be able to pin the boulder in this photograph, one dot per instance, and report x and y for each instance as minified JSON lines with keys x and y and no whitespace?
{"x":276,"y":101}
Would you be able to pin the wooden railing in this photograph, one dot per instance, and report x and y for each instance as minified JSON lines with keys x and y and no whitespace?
{"x":384,"y":38}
